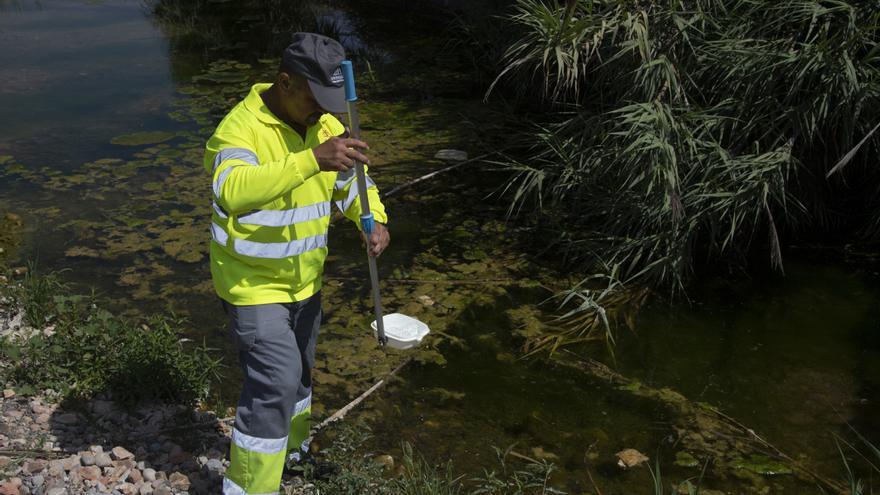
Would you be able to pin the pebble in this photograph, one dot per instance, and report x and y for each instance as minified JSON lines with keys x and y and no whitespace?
{"x":120,"y":453}
{"x":179,"y":481}
{"x":155,"y":465}
{"x":37,"y":481}
{"x":103,"y":460}
{"x":214,"y":465}
{"x":91,"y":473}
{"x":35,"y":466}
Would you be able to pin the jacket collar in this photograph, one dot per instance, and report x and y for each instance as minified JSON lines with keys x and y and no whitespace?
{"x":254,"y":103}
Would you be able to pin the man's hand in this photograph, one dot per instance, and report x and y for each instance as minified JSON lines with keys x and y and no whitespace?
{"x":339,"y":154}
{"x":378,"y":240}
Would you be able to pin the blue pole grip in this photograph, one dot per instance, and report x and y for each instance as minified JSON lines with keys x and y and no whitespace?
{"x":348,"y":76}
{"x":367,"y":223}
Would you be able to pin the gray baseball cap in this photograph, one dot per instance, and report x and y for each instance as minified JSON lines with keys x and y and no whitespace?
{"x":318,"y":59}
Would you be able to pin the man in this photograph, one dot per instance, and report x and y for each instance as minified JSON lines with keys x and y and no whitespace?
{"x":277,"y":160}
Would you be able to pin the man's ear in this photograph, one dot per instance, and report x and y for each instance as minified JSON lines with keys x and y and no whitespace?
{"x":285,"y":82}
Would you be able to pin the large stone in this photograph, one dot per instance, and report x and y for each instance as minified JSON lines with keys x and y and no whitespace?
{"x":145,"y":489}
{"x":120,"y":453}
{"x":149,"y":474}
{"x":87,"y":459}
{"x":8,"y":393}
{"x":5,"y":461}
{"x":57,"y":491}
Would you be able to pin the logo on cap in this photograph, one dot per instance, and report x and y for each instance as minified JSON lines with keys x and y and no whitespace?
{"x":336,"y":77}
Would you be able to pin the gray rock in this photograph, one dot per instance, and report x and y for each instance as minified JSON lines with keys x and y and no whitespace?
{"x":88,"y":459}
{"x":103,"y":460}
{"x":149,"y":474}
{"x":214,"y":465}
{"x":37,"y":481}
{"x":57,"y":491}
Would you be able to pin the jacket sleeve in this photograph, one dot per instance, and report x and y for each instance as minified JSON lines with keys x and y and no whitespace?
{"x":242,"y":183}
{"x":345,"y":190}
{"x":345,"y":194}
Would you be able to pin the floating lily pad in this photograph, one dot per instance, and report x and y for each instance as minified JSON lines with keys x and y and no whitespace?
{"x":81,"y":252}
{"x":685,"y":459}
{"x":142,"y":138}
{"x":759,"y":464}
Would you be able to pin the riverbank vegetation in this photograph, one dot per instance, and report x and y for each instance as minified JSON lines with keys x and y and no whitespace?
{"x":668,"y":136}
{"x":664,"y":140}
{"x":65,"y":344}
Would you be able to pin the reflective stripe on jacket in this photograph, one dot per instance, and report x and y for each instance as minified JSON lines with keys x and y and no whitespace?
{"x":272,"y":204}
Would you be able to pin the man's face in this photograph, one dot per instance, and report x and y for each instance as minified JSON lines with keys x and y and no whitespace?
{"x":300,"y":104}
{"x":298,"y":101}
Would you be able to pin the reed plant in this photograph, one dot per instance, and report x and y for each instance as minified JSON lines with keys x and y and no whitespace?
{"x":667,"y":138}
{"x":672,"y":133}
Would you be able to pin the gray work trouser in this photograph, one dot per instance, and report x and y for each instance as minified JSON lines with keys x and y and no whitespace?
{"x":276,"y":350}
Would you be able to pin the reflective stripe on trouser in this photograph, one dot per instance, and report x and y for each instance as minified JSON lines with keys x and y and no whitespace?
{"x":276,"y":344}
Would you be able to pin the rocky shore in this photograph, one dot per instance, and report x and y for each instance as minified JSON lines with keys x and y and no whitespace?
{"x":99,"y":448}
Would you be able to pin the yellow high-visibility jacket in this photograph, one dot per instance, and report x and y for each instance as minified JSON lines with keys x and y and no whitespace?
{"x":272,"y":205}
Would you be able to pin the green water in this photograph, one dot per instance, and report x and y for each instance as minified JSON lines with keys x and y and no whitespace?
{"x":795,"y":357}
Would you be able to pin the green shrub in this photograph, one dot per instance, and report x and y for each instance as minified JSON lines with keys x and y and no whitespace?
{"x":77,"y":349}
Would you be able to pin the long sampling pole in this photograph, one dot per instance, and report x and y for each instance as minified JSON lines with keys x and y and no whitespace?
{"x":367,"y":222}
